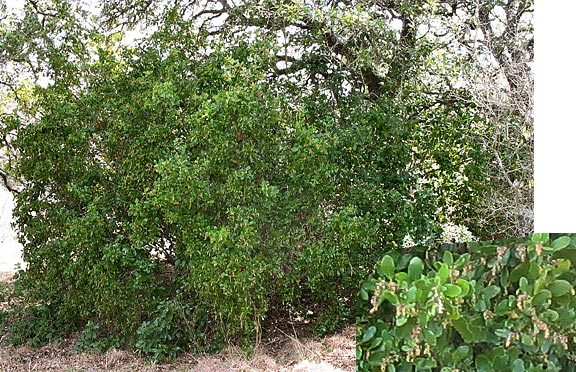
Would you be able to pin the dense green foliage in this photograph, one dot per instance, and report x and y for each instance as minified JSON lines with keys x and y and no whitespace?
{"x":177,"y":210}
{"x":238,"y":162}
{"x":490,"y":306}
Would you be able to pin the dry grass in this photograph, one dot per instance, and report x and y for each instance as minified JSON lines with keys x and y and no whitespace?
{"x":281,"y":352}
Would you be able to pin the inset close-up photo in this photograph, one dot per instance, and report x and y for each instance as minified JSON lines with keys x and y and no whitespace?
{"x":504,"y":305}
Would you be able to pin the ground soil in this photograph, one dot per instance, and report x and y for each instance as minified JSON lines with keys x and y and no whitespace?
{"x":288,"y":350}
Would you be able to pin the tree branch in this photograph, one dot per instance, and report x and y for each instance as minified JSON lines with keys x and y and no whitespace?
{"x":5,"y":178}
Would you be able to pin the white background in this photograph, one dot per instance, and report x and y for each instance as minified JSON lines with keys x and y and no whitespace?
{"x":10,"y":249}
{"x":555,"y":117}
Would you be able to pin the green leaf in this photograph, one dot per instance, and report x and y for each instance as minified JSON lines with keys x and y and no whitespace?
{"x":546,"y":345}
{"x":411,"y":294}
{"x":461,"y":326}
{"x":405,"y":329}
{"x":448,"y":258}
{"x":523,"y":284}
{"x":561,"y":243}
{"x":490,"y":292}
{"x":519,"y":271}
{"x":500,"y":360}
{"x":429,"y":337}
{"x":464,"y":285}
{"x":375,"y":343}
{"x":415,"y":268}
{"x":402,"y":276}
{"x":566,"y":316}
{"x":369,"y":334}
{"x":563,"y":265}
{"x":462,"y":260}
{"x":481,"y":305}
{"x":369,"y":285}
{"x":540,"y":238}
{"x":483,"y":364}
{"x":386,"y":267}
{"x":389,"y":296}
{"x":569,"y":253}
{"x":502,"y":308}
{"x":400,"y":321}
{"x":560,"y":287}
{"x":534,"y":271}
{"x":478,"y":330}
{"x":375,"y":358}
{"x":461,"y":352}
{"x":538,"y":284}
{"x":518,"y":366}
{"x":541,"y":297}
{"x":452,"y":290}
{"x":527,"y":339}
{"x":550,"y":316}
{"x":443,"y":273}
{"x":423,"y":364}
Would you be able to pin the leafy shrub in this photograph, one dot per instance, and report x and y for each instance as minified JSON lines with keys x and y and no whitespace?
{"x":176,"y":199}
{"x":167,"y":332}
{"x":492,"y":306}
{"x":91,"y":339}
{"x":35,"y":325}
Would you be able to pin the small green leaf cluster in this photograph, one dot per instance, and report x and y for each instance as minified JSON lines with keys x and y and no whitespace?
{"x":40,"y":326}
{"x":91,"y":339}
{"x":493,"y":306}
